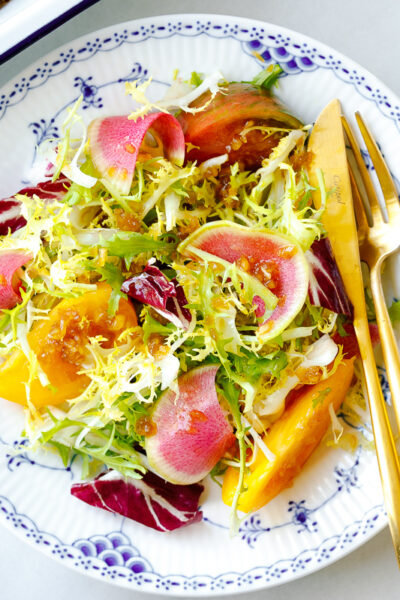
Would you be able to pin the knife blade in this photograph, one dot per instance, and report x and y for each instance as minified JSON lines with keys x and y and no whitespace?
{"x":328,"y":151}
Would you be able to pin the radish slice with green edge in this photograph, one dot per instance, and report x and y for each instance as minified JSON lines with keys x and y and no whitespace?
{"x":10,"y":262}
{"x":192,"y":430}
{"x":114,"y":144}
{"x":277,"y":253}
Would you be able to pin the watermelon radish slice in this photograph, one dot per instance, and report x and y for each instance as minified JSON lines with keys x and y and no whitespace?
{"x":10,"y":262}
{"x":282,"y":257}
{"x":192,"y":431}
{"x":114,"y":144}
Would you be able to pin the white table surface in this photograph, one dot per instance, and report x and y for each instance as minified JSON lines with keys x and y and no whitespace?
{"x":368,"y":32}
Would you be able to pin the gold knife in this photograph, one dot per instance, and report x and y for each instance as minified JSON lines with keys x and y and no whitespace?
{"x":329,"y":154}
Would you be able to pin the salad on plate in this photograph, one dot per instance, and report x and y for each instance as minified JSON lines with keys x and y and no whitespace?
{"x":170,"y":307}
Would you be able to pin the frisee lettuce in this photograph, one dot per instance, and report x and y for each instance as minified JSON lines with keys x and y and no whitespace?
{"x":231,"y":393}
{"x":127,"y":245}
{"x":111,"y":274}
{"x":81,"y":239}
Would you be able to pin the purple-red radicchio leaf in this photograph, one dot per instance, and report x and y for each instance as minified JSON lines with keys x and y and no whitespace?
{"x":151,"y":501}
{"x":166,"y":296}
{"x":326,"y":286}
{"x":10,"y":212}
{"x":349,"y":341}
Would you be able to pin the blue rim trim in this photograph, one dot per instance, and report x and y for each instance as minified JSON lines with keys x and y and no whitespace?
{"x":46,"y":29}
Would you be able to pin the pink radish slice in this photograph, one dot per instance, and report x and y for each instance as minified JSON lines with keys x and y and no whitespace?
{"x":231,"y":242}
{"x":10,"y":262}
{"x":192,"y":431}
{"x":114,"y":144}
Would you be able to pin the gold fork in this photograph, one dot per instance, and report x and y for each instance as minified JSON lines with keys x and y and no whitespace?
{"x":378,"y":240}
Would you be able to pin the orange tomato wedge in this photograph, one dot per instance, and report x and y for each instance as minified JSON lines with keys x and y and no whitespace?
{"x":59,"y":343}
{"x":292,"y":439}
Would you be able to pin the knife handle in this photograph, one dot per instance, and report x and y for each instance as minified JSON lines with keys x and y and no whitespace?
{"x":384,"y":443}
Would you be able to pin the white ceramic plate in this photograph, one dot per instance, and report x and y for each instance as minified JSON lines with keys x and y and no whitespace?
{"x":22,"y":22}
{"x":335,"y":504}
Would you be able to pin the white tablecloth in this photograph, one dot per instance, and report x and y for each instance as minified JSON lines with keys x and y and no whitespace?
{"x":368,"y":32}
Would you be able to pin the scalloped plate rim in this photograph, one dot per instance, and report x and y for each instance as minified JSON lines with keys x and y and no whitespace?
{"x":291,"y":34}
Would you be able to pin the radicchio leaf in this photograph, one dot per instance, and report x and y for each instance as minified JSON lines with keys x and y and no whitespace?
{"x":349,"y":341}
{"x":326,"y":286}
{"x":10,"y":216}
{"x":10,"y":262}
{"x":10,"y":213}
{"x":151,"y":500}
{"x":165,"y":296}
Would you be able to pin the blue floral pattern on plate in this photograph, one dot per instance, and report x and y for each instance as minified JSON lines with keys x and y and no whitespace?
{"x":266,"y":48}
{"x":114,"y":557}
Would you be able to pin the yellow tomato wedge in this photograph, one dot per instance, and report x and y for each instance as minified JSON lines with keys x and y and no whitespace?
{"x":292,"y":439}
{"x":59,"y":343}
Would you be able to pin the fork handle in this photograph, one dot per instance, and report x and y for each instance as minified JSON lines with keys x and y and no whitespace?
{"x":388,"y":460}
{"x":388,"y":340}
